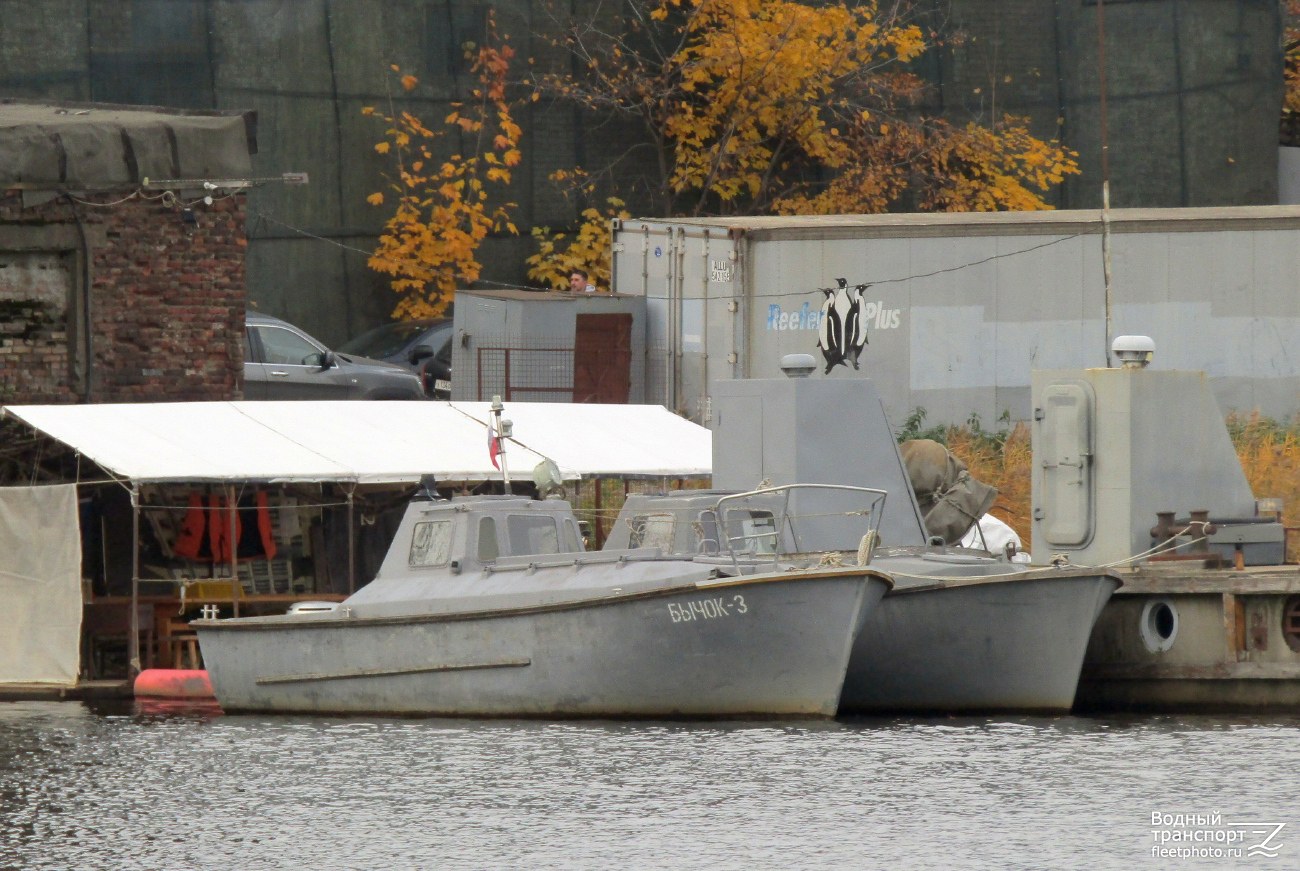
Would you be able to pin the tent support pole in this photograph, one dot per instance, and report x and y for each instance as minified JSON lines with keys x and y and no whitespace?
{"x":133,"y":638}
{"x":600,"y":517}
{"x":234,"y":548}
{"x":352,"y":557}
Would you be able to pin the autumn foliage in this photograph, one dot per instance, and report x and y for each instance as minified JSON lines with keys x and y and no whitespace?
{"x":430,"y":243}
{"x":1291,"y":71}
{"x":587,"y":249}
{"x":773,"y":106}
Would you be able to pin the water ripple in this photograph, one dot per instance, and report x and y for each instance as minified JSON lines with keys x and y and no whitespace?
{"x":117,"y":789}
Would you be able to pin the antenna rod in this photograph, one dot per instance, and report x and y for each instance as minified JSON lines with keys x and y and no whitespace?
{"x":504,"y":431}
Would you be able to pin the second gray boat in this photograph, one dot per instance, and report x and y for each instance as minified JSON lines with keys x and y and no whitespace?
{"x":961,"y":630}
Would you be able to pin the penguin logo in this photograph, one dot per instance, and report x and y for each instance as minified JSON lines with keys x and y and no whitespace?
{"x":842,"y":334}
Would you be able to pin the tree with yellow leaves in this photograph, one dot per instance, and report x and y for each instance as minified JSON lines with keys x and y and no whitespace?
{"x":778,"y":106}
{"x":1291,"y":72}
{"x":430,"y":243}
{"x":587,"y":249}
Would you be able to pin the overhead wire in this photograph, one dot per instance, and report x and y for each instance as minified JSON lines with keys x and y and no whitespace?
{"x":788,"y":293}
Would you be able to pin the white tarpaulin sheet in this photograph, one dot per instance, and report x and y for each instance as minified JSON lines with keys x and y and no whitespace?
{"x":40,"y":585}
{"x":369,"y":442}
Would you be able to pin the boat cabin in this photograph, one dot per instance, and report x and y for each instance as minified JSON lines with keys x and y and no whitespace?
{"x":472,"y":533}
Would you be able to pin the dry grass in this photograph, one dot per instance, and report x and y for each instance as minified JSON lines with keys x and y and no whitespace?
{"x":1000,"y":459}
{"x":1270,"y":456}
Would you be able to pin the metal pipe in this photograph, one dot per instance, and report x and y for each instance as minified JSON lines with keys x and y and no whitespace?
{"x":352,"y":555}
{"x":1105,"y":173}
{"x":133,"y":640}
{"x":670,"y":351}
{"x":679,"y":255}
{"x":88,"y":347}
{"x":234,"y":547}
{"x":704,"y":332}
{"x":600,"y":517}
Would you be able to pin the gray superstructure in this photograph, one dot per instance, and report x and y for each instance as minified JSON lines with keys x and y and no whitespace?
{"x":489,"y":606}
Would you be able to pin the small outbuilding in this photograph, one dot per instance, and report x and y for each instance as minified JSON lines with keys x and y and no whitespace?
{"x":122,"y":251}
{"x":548,"y":346}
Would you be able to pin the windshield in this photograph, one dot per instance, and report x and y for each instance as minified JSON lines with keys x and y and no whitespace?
{"x":384,"y":341}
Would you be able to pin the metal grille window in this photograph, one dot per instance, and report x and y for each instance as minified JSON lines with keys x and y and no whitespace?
{"x":526,"y":374}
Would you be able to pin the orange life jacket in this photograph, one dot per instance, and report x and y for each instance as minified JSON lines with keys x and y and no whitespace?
{"x":214,"y":520}
{"x":189,"y":542}
{"x":264,"y":525}
{"x":219,"y":528}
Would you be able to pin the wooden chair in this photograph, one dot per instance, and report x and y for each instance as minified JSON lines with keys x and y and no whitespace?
{"x":183,"y":645}
{"x":106,"y":626}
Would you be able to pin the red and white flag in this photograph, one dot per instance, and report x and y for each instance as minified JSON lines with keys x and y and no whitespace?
{"x":494,"y":443}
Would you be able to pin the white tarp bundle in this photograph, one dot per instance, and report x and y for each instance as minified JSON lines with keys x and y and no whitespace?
{"x":40,"y":585}
{"x":370,"y":442}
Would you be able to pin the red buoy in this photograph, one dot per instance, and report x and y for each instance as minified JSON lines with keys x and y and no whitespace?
{"x":174,"y":683}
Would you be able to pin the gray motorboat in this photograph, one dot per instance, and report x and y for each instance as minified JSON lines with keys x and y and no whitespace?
{"x":961,"y":630}
{"x":489,"y":606}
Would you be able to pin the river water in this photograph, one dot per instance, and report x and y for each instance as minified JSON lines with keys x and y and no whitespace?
{"x":118,"y":788}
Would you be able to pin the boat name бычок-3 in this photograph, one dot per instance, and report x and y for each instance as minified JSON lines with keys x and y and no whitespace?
{"x":708,"y":609}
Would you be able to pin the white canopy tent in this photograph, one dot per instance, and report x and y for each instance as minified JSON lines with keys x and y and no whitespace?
{"x":348,"y":444}
{"x":370,"y":442}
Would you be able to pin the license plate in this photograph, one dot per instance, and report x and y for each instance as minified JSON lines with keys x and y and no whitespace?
{"x":439,"y":384}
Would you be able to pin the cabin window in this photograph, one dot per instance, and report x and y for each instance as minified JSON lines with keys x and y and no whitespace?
{"x":572,"y":543}
{"x":652,"y":530}
{"x":531,"y":534}
{"x":431,"y":543}
{"x":752,"y":531}
{"x":706,"y":530}
{"x":488,"y":549}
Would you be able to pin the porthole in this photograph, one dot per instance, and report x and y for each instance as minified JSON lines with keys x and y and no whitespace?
{"x":1291,"y":623}
{"x":1159,"y":624}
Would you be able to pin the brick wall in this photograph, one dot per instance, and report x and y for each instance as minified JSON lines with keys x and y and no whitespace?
{"x":167,"y":301}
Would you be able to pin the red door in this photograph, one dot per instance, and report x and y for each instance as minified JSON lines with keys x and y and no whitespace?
{"x":602,"y":358}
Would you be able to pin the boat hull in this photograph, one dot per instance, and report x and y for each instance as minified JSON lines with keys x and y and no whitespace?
{"x":762,"y":647}
{"x":1009,"y":645}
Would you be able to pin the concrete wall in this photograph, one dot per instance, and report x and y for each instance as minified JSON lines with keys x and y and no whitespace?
{"x":1195,"y":90}
{"x":166,"y":302}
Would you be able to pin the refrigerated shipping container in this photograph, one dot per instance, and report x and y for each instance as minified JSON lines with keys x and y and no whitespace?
{"x":957,"y":309}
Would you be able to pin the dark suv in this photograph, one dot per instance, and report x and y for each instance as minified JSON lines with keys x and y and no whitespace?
{"x":283,"y":362}
{"x":423,"y":346}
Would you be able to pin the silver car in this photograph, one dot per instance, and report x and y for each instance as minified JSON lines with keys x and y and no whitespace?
{"x":283,"y":362}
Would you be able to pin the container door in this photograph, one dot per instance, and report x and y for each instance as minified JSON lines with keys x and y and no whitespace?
{"x":602,"y":358}
{"x":1067,"y":505}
